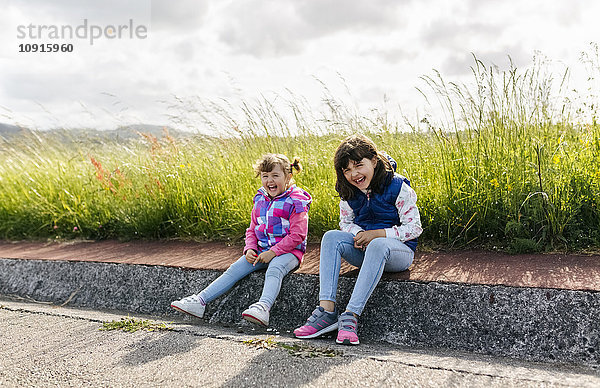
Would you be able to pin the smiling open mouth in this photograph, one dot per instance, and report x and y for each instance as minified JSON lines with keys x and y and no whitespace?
{"x":359,"y":181}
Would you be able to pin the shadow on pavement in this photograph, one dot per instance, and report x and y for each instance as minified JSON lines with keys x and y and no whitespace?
{"x":155,"y":347}
{"x":278,"y":368}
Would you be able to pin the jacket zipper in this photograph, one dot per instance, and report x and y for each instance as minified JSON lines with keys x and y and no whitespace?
{"x":371,"y":214}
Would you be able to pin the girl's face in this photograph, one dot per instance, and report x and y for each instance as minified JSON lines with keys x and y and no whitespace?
{"x":275,"y":181}
{"x":360,"y":173}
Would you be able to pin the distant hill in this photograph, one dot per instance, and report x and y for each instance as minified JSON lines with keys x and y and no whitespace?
{"x":123,"y":133}
{"x":127,"y":132}
{"x":9,"y":130}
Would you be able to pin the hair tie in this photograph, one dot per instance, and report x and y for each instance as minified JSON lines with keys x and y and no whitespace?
{"x":295,"y":165}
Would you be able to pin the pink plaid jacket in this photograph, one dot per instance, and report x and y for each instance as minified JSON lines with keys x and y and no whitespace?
{"x":280,"y":223}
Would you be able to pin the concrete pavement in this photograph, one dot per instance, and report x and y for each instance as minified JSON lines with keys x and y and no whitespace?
{"x":43,"y":345}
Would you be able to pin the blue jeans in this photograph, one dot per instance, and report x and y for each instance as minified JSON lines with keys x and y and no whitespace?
{"x":276,"y":270}
{"x":382,"y":254}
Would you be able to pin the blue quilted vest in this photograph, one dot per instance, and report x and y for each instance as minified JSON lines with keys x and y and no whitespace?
{"x":379,"y":211}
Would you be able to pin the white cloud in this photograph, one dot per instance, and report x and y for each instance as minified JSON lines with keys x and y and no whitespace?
{"x":183,"y":16}
{"x":262,"y":29}
{"x":242,"y":49}
{"x":453,"y":34}
{"x":71,"y":11}
{"x":329,"y":16}
{"x":266,"y":29}
{"x":460,"y":64}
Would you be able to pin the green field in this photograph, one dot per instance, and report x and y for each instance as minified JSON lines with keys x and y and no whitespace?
{"x":506,"y":165}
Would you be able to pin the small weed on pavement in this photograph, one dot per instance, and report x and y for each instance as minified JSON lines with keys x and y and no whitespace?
{"x":297,"y":350}
{"x":131,"y":325}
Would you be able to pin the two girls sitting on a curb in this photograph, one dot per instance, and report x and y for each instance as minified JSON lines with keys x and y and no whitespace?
{"x":379,"y":226}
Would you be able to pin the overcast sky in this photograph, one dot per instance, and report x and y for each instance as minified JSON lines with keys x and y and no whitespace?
{"x":241,"y":50}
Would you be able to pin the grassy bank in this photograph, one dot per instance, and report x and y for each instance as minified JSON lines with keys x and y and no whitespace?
{"x":506,"y":165}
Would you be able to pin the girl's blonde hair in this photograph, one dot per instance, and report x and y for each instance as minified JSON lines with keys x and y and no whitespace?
{"x":269,"y":161}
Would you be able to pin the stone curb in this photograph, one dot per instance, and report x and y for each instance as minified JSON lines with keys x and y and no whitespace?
{"x":535,"y":324}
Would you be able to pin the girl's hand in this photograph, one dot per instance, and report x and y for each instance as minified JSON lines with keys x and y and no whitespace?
{"x":250,"y":256}
{"x":265,"y":257}
{"x":363,"y":238}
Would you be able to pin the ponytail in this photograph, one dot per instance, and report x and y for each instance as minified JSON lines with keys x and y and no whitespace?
{"x":295,"y":166}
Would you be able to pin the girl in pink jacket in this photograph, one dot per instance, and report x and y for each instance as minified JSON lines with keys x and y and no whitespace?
{"x":275,"y":240}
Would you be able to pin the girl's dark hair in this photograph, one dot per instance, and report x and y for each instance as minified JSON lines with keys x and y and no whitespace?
{"x":355,"y":148}
{"x":269,"y":161}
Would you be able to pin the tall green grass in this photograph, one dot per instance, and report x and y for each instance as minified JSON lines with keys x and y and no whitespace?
{"x":508,"y":162}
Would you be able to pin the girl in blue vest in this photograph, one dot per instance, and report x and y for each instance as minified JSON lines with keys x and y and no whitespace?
{"x":379,"y":226}
{"x":275,"y":240}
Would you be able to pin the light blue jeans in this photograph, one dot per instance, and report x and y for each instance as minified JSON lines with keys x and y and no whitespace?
{"x":276,"y":270}
{"x":382,"y":254}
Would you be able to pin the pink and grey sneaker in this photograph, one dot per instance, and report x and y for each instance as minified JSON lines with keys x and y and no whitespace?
{"x":320,"y":322}
{"x":347,"y":325}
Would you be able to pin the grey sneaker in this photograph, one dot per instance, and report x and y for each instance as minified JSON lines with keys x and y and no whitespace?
{"x":257,"y":313}
{"x":190,"y":305}
{"x":320,"y":322}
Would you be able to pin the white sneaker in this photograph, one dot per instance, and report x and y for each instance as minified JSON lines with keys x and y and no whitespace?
{"x":257,"y":313}
{"x":191,"y":305}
